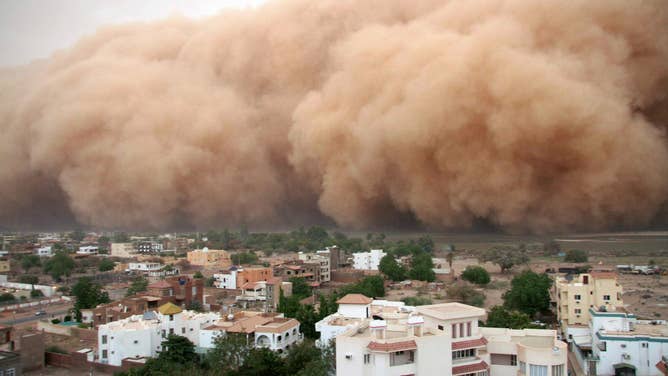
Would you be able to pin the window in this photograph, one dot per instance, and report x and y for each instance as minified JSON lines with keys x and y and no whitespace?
{"x":558,"y":370}
{"x":623,"y":346}
{"x":462,"y":333}
{"x":279,"y":338}
{"x":136,"y":342}
{"x":468,"y":329}
{"x":644,"y":344}
{"x":578,"y":297}
{"x":454,"y":330}
{"x":183,"y":330}
{"x":164,"y":334}
{"x":606,"y":298}
{"x":503,"y":359}
{"x":440,"y":327}
{"x":367,"y":358}
{"x":578,"y":311}
{"x":104,"y":354}
{"x":462,"y":354}
{"x":171,"y":330}
{"x":11,"y":372}
{"x":523,"y":367}
{"x":104,"y":339}
{"x":536,"y":370}
{"x":513,"y":360}
{"x":171,"y":317}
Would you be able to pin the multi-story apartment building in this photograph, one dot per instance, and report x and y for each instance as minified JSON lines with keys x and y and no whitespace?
{"x":620,"y":344}
{"x":264,"y":330}
{"x":391,"y":339}
{"x":88,"y":250}
{"x":122,"y":249}
{"x":180,"y":290}
{"x":236,"y":276}
{"x":206,"y":257}
{"x":149,"y":247}
{"x":322,"y":259}
{"x":263,"y":293}
{"x":589,"y":290}
{"x":142,"y":335}
{"x":311,"y":272}
{"x":44,"y":251}
{"x":368,"y":260}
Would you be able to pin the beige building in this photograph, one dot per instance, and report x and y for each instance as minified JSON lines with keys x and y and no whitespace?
{"x":590,"y":290}
{"x":5,"y":266}
{"x":210,"y":258}
{"x":122,"y":249}
{"x":387,"y":338}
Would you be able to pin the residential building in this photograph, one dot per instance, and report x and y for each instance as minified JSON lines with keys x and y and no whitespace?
{"x":368,"y":260}
{"x":620,"y":344}
{"x":336,"y":256}
{"x":144,"y":266}
{"x":263,"y":330}
{"x":10,"y":364}
{"x":122,"y":249}
{"x":588,"y":290}
{"x":142,"y":335}
{"x":322,"y":259}
{"x":206,"y":257}
{"x":393,"y":339}
{"x":263,"y":293}
{"x":88,"y":250}
{"x":118,"y":310}
{"x":149,"y":247}
{"x":44,"y":251}
{"x":236,"y":276}
{"x":180,"y":290}
{"x":311,"y":272}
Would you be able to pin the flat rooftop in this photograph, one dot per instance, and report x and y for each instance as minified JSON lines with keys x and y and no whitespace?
{"x":451,"y":311}
{"x":650,"y":330}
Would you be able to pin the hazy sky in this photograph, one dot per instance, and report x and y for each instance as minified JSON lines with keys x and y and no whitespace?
{"x":33,"y":29}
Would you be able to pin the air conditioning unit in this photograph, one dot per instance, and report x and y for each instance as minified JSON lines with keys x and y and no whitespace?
{"x":349,"y":356}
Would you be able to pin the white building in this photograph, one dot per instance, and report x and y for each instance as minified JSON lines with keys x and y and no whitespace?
{"x":622,"y":344}
{"x":437,"y":339}
{"x":88,"y":250}
{"x":149,"y":247}
{"x":44,"y":251}
{"x":142,"y":335}
{"x":122,"y":249}
{"x":263,"y":330}
{"x":321,"y":258}
{"x":227,"y":280}
{"x":144,"y":266}
{"x":368,"y":260}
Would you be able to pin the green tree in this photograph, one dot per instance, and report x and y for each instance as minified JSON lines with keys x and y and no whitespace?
{"x":371,"y":286}
{"x":103,"y":240}
{"x":195,"y":306}
{"x":506,"y":256}
{"x":466,"y":294}
{"x":529,"y":293}
{"x":391,"y":268}
{"x":242,"y":258}
{"x":229,"y":352}
{"x":30,"y":279}
{"x":476,"y":274}
{"x":139,"y":284}
{"x":576,"y":255}
{"x":61,"y":264}
{"x":416,"y":300}
{"x":307,"y":317}
{"x":36,"y":293}
{"x":209,"y":282}
{"x":426,"y":243}
{"x":198,"y":275}
{"x":500,"y":317}
{"x":106,"y":265}
{"x":30,"y":261}
{"x":178,"y":349}
{"x":422,"y":267}
{"x":262,"y":362}
{"x":7,"y":297}
{"x":300,"y":288}
{"x":87,"y":294}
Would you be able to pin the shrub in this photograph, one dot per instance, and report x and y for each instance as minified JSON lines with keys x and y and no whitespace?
{"x":55,"y":321}
{"x":416,"y":300}
{"x":476,"y":274}
{"x":576,"y":255}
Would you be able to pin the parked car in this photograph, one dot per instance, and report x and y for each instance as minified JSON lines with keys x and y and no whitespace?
{"x":40,"y":313}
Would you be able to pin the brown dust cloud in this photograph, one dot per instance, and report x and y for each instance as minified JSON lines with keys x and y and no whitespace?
{"x":531,"y":116}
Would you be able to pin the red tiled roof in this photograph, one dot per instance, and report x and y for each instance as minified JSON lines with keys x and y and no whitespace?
{"x":470,"y":368}
{"x":392,"y":347}
{"x":480,"y":342}
{"x":662,"y":367}
{"x":355,"y":299}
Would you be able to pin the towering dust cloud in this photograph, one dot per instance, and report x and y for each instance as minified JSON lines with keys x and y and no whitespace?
{"x":533,"y":116}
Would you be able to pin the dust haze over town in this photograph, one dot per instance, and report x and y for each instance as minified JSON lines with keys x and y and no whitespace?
{"x":334,"y":187}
